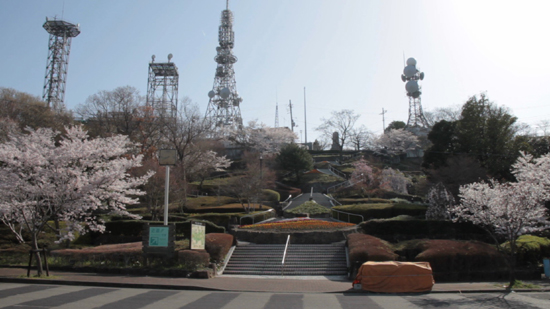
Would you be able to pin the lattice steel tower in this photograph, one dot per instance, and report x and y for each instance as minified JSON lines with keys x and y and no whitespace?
{"x":162,"y":87}
{"x":224,"y":105}
{"x":411,"y":76}
{"x":59,"y":47}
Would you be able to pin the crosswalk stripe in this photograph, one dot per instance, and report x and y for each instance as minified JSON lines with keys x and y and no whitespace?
{"x":177,"y":300}
{"x":252,"y":301}
{"x":107,"y":298}
{"x":20,"y":298}
{"x":314,"y":301}
{"x":5,"y":286}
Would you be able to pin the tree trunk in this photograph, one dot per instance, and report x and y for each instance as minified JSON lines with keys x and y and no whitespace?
{"x":512,"y":264}
{"x":36,"y":253}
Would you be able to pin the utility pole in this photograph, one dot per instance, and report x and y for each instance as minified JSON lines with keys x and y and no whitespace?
{"x":383,"y":120}
{"x":305,"y":117}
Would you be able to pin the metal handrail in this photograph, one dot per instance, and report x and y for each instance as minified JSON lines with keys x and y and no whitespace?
{"x":254,"y":215}
{"x":284,"y":255}
{"x":348,"y":213}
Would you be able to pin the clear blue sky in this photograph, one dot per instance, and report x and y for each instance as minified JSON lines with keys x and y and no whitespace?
{"x":347,"y":53}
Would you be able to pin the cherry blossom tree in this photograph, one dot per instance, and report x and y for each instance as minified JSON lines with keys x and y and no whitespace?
{"x":394,"y":180}
{"x":362,"y":173}
{"x":396,"y":142}
{"x":261,"y":138}
{"x":45,"y":175}
{"x":439,"y":200}
{"x":508,"y":210}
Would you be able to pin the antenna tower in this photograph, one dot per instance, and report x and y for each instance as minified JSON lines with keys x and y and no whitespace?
{"x":411,"y":76}
{"x":59,"y":47}
{"x":276,"y":114}
{"x":224,"y":106}
{"x":292,"y":123}
{"x":162,"y":87}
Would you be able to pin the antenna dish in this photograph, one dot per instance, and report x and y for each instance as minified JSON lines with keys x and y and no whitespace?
{"x":421,"y":75}
{"x":224,"y":93}
{"x":411,"y":61}
{"x":170,"y":57}
{"x":211,"y":94}
{"x":218,"y":49}
{"x":411,"y":86}
{"x":409,"y":71}
{"x":153,"y":58}
{"x":403,"y":78}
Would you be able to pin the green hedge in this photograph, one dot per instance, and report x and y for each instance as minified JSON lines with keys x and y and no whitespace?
{"x":270,"y":195}
{"x":531,"y":250}
{"x":384,"y":211}
{"x":399,"y":230}
{"x":135,"y":227}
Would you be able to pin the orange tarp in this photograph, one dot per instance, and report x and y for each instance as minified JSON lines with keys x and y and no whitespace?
{"x":395,"y":277}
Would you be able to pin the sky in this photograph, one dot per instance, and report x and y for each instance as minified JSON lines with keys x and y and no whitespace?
{"x":348,"y":54}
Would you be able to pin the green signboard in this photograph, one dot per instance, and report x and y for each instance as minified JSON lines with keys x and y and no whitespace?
{"x":158,"y":236}
{"x":198,"y":232}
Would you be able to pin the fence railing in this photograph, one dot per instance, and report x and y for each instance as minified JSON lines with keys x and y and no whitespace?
{"x":347,"y":215}
{"x":253,"y":216}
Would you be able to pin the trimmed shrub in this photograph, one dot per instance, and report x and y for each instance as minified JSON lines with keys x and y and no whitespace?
{"x":311,"y":208}
{"x":270,"y":195}
{"x":400,"y":230}
{"x":135,"y":227}
{"x":184,"y":228}
{"x":363,"y":200}
{"x":363,"y":248}
{"x":218,"y":245}
{"x":531,"y":250}
{"x":194,"y":258}
{"x":462,"y":260}
{"x":384,"y":211}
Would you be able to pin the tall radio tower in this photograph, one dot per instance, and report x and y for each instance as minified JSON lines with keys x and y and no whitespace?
{"x":224,"y":105}
{"x":59,"y":47}
{"x":411,"y":76}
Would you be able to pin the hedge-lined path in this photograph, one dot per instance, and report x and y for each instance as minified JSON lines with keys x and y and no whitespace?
{"x":319,"y":198}
{"x":318,"y":284}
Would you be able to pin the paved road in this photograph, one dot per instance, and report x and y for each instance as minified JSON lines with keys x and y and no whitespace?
{"x":320,"y":198}
{"x":15,"y":295}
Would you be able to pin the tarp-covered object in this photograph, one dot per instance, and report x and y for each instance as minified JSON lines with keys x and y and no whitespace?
{"x":395,"y":277}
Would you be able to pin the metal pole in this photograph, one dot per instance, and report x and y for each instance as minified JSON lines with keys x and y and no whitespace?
{"x":166,"y":190}
{"x":305,"y":116}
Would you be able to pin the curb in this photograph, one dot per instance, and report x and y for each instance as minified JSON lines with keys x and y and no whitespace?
{"x":108,"y":284}
{"x":199,"y":288}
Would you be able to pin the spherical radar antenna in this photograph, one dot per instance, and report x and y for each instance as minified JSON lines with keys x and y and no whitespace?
{"x":224,"y":93}
{"x":411,"y":86}
{"x":409,"y":71}
{"x":170,"y":57}
{"x":411,"y":61}
{"x":211,"y":94}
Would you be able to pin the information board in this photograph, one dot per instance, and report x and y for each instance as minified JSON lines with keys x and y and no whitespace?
{"x":158,"y":236}
{"x":198,"y":232}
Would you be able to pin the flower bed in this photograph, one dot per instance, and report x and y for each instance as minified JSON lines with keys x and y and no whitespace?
{"x":298,"y":224}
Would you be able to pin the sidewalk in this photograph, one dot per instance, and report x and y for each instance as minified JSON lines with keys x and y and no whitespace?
{"x":238,"y":284}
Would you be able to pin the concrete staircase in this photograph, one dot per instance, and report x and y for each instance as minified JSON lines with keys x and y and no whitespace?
{"x":300,"y":260}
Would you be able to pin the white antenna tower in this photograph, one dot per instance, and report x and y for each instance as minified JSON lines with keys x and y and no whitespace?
{"x":224,"y":106}
{"x":411,"y":76}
